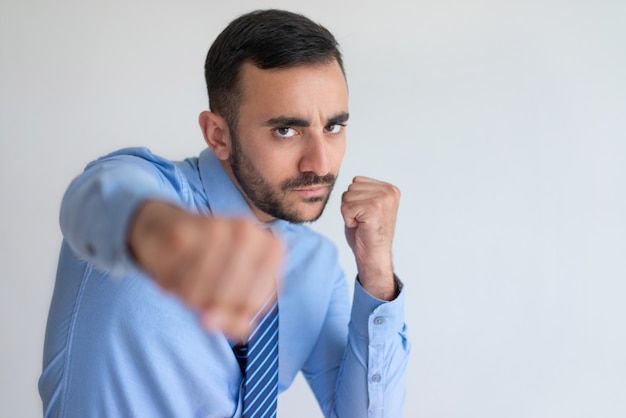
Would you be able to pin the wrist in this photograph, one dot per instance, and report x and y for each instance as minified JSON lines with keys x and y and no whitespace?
{"x":150,"y":231}
{"x":378,"y":279}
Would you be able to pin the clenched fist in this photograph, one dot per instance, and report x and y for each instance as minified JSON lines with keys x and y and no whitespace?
{"x":225,"y":268}
{"x":369,"y":208}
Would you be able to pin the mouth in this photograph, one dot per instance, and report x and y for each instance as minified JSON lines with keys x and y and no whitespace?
{"x":311,"y":191}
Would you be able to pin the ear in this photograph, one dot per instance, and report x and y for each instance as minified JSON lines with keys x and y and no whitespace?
{"x":216,"y":133}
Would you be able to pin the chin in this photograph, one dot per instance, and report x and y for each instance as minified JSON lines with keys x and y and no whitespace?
{"x":302,"y":211}
{"x":308,"y":216}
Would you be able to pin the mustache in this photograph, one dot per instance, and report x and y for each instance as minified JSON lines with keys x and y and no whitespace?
{"x":307,"y":179}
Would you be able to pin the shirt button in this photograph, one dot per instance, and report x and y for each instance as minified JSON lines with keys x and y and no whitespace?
{"x":379,"y":320}
{"x":376,"y":378}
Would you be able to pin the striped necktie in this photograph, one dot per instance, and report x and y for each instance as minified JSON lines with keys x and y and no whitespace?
{"x":259,"y":357}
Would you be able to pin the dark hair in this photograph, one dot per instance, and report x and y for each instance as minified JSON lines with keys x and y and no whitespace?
{"x":267,"y":39}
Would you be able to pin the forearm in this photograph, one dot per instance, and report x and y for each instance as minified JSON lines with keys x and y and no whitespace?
{"x":373,"y":374}
{"x":361,"y":374}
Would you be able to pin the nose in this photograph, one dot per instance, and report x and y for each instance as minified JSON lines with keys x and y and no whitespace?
{"x":315,"y":155}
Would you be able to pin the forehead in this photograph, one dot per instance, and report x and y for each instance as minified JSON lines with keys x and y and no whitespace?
{"x":303,"y":90}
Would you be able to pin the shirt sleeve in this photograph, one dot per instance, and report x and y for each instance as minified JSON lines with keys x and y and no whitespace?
{"x":99,"y":204}
{"x":371,"y":377}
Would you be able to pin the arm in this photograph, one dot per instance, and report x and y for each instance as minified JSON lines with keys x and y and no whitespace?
{"x":98,"y":206}
{"x":342,"y":372}
{"x":369,"y":208}
{"x":127,"y":212}
{"x":368,"y":379}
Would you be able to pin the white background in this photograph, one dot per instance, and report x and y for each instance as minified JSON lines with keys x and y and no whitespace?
{"x":503,"y":123}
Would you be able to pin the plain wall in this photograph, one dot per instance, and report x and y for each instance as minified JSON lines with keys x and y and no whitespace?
{"x":503,"y":123}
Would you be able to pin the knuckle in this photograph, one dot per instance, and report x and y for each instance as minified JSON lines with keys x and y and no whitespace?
{"x":392,"y":190}
{"x":213,"y":228}
{"x":391,"y":194}
{"x":396,"y":192}
{"x":243,"y":229}
{"x":376,"y":205}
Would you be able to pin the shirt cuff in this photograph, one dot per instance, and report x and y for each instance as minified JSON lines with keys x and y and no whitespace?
{"x":376,"y":318}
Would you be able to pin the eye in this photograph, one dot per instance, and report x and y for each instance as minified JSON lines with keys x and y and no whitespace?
{"x":285,"y":132}
{"x":334,"y":128}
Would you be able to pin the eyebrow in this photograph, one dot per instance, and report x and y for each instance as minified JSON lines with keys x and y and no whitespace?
{"x":337,"y":119}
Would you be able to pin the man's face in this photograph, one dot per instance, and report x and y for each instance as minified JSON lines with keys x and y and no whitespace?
{"x":290,"y":139}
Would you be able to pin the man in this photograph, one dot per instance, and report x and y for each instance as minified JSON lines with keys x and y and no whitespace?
{"x":224,"y":234}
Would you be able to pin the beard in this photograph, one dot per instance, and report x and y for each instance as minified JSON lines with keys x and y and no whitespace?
{"x":273,"y":200}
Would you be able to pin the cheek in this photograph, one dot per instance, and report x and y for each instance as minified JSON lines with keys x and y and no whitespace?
{"x":338,"y":153}
{"x":275,"y":169}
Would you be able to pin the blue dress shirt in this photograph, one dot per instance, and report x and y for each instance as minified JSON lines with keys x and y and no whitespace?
{"x":119,"y":346}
